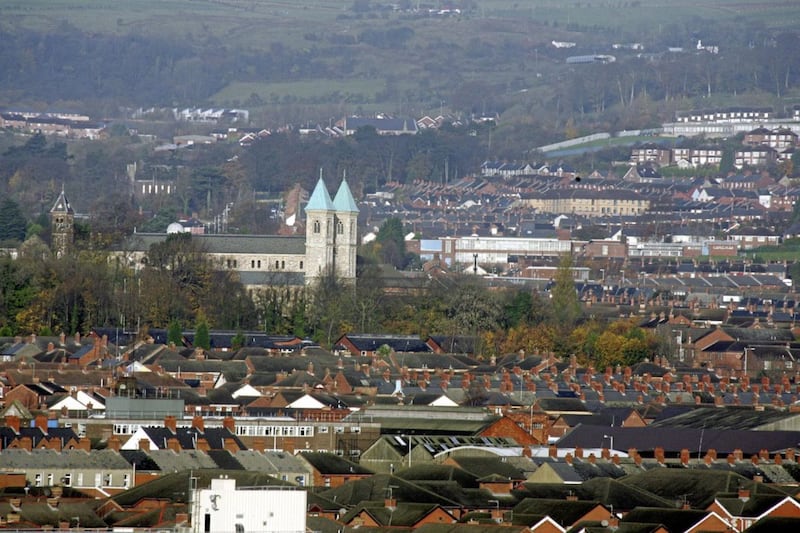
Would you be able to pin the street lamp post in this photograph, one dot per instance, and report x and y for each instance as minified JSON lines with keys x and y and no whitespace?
{"x":610,"y":438}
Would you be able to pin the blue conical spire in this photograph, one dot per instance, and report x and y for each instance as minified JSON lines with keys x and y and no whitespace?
{"x":344,"y":199}
{"x":320,"y":199}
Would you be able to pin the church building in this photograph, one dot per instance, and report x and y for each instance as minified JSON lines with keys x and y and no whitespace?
{"x":261,"y":261}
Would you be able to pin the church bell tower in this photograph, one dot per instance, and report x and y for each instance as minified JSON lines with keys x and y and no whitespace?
{"x":62,"y":225}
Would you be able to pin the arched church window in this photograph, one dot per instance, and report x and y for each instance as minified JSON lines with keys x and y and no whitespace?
{"x":317,"y":226}
{"x":339,"y":227}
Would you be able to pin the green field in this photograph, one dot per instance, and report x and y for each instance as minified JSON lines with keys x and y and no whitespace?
{"x":497,"y":57}
{"x":259,"y":21}
{"x":303,"y":91}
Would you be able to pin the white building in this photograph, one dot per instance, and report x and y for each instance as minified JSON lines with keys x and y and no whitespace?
{"x":224,"y":508}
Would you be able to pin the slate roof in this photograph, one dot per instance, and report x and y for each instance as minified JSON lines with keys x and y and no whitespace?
{"x":376,"y":488}
{"x":182,"y":461}
{"x":752,"y":506}
{"x":677,"y":439}
{"x":7,"y":435}
{"x":404,"y":514}
{"x":674,"y":520}
{"x":187,"y":437}
{"x":331,"y":464}
{"x":773,"y":524}
{"x":224,"y":460}
{"x":738,"y":418}
{"x":562,"y":511}
{"x":399,"y":343}
{"x":225,"y":244}
{"x":18,"y":458}
{"x":698,"y":487}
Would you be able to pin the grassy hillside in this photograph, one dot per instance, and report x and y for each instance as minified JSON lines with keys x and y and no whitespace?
{"x":299,"y":61}
{"x":254,"y":21}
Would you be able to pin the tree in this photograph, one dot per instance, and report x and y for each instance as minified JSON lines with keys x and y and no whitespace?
{"x":238,"y":341}
{"x":391,"y":243}
{"x":202,"y":337}
{"x":727,"y":160}
{"x":175,"y":333}
{"x":328,"y":310}
{"x":565,"y":307}
{"x":473,"y":309}
{"x":524,"y":307}
{"x":12,"y":222}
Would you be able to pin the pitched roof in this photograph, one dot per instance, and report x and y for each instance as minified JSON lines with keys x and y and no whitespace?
{"x":320,"y":199}
{"x":331,"y":464}
{"x":676,"y":439}
{"x":343,"y":201}
{"x":61,"y":204}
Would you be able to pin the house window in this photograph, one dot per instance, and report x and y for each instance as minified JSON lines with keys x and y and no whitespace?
{"x":37,"y":480}
{"x":327,"y":482}
{"x":67,"y":479}
{"x":107,"y":480}
{"x":126,"y":480}
{"x":323,"y":429}
{"x":355,"y":429}
{"x":339,"y":429}
{"x":49,"y":480}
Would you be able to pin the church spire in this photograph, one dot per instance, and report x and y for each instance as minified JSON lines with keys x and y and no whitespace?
{"x":320,"y":199}
{"x":344,"y":201}
{"x":62,"y":203}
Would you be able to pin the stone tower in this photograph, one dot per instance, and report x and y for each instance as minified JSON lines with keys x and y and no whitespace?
{"x":346,"y":237}
{"x":320,"y":219}
{"x":331,"y":234}
{"x":62,"y":225}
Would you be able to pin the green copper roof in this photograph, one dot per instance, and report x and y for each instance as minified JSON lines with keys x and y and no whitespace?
{"x":320,"y":199}
{"x":344,"y":199}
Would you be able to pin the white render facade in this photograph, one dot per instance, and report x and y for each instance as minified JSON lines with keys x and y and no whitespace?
{"x":224,"y":508}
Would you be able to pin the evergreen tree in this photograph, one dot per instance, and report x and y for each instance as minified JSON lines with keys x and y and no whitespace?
{"x":238,"y":341}
{"x":726,"y":161}
{"x":565,"y":306}
{"x":202,"y":337}
{"x":12,"y":222}
{"x":391,"y":243}
{"x":175,"y":333}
